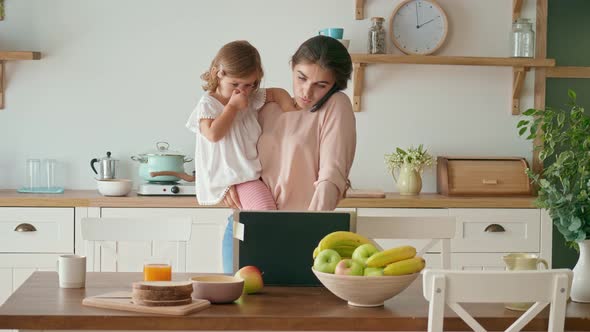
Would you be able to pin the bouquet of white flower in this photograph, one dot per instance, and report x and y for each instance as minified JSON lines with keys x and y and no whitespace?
{"x":415,"y":158}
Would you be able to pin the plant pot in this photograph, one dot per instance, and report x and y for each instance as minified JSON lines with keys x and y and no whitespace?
{"x":581,"y":282}
{"x":409,"y":181}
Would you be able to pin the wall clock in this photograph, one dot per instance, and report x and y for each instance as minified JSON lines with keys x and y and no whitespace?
{"x":418,"y":26}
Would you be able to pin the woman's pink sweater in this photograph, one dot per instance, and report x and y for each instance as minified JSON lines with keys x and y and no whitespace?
{"x":306,"y":157}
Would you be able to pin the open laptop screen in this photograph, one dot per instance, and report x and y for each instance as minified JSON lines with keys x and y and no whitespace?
{"x":281,"y":243}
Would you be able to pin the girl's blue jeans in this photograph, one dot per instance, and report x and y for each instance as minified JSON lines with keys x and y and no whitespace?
{"x":227,"y":246}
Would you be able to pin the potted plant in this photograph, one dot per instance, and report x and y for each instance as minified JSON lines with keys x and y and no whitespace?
{"x":410,"y":163}
{"x":564,"y":185}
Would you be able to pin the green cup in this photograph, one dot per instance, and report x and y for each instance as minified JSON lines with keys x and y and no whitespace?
{"x":332,"y":32}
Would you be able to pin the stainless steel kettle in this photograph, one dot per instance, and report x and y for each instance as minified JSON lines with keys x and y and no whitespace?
{"x":106,"y":167}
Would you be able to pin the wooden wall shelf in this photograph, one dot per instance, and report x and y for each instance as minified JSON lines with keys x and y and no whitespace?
{"x":520,"y":67}
{"x":359,"y":9}
{"x":10,"y":56}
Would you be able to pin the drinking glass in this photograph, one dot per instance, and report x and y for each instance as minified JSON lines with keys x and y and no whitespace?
{"x":157,"y":269}
{"x":50,"y":172}
{"x":33,"y":173}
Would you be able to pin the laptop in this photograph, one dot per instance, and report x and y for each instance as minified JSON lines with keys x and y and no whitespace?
{"x":281,"y":243}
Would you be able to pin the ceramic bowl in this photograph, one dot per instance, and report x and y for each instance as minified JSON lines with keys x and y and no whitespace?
{"x":114,"y":187}
{"x":217,"y":288}
{"x":364,"y":291}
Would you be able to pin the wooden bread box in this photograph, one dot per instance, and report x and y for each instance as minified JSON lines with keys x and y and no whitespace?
{"x":482,"y":176}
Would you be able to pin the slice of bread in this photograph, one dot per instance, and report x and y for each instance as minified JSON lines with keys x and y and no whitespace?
{"x":179,"y":286}
{"x":161,"y":295}
{"x":162,"y":303}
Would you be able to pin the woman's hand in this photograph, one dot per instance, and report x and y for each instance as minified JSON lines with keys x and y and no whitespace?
{"x":238,"y":99}
{"x":231,"y":199}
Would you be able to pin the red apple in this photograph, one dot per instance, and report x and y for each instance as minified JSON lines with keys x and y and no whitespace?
{"x":252,"y":279}
{"x":349,"y":267}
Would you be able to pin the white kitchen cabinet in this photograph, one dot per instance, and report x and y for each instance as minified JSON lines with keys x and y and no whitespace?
{"x":203,"y":251}
{"x":44,"y":234}
{"x":483,"y":235}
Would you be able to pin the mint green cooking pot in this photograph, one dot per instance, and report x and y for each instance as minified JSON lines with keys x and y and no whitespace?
{"x":162,"y":160}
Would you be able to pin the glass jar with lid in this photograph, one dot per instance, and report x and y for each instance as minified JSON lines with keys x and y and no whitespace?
{"x":522,"y":39}
{"x":377,"y":36}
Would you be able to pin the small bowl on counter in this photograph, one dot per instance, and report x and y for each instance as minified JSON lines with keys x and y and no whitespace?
{"x":217,"y":288}
{"x":114,"y":187}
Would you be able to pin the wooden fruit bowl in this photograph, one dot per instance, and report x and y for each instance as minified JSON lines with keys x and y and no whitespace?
{"x":364,"y":291}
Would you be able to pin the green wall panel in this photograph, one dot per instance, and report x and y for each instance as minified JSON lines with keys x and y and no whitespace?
{"x":568,"y":42}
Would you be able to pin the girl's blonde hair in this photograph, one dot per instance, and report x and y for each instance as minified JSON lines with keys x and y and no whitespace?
{"x":237,"y":59}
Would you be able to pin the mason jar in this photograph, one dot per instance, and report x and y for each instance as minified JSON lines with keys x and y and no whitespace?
{"x":377,"y":36}
{"x":522,"y":39}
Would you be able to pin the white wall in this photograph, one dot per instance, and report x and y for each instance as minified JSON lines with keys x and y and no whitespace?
{"x":120,"y":75}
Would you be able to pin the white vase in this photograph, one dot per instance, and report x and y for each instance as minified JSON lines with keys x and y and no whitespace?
{"x":408,"y":181}
{"x":581,"y":283}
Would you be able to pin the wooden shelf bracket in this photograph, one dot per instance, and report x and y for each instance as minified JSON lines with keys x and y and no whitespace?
{"x":516,"y":8}
{"x":359,"y":13}
{"x":519,"y":74}
{"x":358,"y":78}
{"x":7,"y":55}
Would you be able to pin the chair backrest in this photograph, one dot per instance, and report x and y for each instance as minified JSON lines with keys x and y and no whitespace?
{"x":98,"y":231}
{"x":437,"y":229}
{"x":542,"y":287}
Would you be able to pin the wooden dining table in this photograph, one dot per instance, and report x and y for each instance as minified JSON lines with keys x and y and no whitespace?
{"x":39,"y":304}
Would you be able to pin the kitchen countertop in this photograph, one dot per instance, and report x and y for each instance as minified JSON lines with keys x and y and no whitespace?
{"x":39,"y":304}
{"x":86,"y":198}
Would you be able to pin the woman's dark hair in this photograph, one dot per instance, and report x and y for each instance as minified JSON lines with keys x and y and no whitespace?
{"x":329,"y":54}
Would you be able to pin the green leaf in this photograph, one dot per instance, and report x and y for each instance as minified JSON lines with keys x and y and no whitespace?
{"x":571,"y":94}
{"x":522,"y":131}
{"x":529,"y":112}
{"x":575,"y":224}
{"x":522,"y":123}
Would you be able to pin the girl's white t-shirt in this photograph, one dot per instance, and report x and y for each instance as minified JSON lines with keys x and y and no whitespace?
{"x":234,"y":158}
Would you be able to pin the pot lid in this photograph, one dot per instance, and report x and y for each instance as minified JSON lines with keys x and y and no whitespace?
{"x":163,"y":149}
{"x":108,"y":157}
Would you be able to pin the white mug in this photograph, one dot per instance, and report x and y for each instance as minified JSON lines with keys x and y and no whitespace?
{"x":71,"y":270}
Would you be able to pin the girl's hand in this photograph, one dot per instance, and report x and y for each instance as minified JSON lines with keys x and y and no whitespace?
{"x":238,"y":99}
{"x":231,"y":199}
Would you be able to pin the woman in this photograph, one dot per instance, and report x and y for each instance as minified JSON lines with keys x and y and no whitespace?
{"x":306,"y":156}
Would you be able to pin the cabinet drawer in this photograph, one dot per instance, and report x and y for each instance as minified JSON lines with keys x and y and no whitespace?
{"x":53,"y":230}
{"x":395,"y":212}
{"x":496,"y":230}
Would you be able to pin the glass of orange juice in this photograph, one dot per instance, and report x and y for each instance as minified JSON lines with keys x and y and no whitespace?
{"x":157,"y":269}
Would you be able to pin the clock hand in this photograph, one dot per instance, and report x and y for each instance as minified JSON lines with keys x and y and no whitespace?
{"x":417,"y":24}
{"x":423,"y":24}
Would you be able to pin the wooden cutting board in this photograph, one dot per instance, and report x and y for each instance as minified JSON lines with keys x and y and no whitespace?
{"x":122,"y":301}
{"x":368,"y":193}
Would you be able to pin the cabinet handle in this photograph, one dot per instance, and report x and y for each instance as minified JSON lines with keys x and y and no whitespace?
{"x":485,"y":181}
{"x":24,"y":227}
{"x":494,"y":228}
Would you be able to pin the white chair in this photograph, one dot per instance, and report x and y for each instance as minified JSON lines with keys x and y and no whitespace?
{"x":542,"y":287}
{"x":437,"y":229}
{"x":98,"y":232}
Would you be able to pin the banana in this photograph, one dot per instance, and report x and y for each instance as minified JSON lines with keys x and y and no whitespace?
{"x":406,"y":266}
{"x":345,"y":252}
{"x":392,"y":255}
{"x":316,"y":251}
{"x":342,"y":239}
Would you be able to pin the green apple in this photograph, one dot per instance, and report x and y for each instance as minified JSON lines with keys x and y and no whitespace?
{"x":363,"y":252}
{"x":373,"y":271}
{"x":349,"y":267}
{"x":326,"y":261}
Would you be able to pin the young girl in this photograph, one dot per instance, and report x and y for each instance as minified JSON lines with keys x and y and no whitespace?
{"x":225,"y":121}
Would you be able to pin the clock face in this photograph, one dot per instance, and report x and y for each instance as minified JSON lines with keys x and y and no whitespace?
{"x":418,"y":26}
